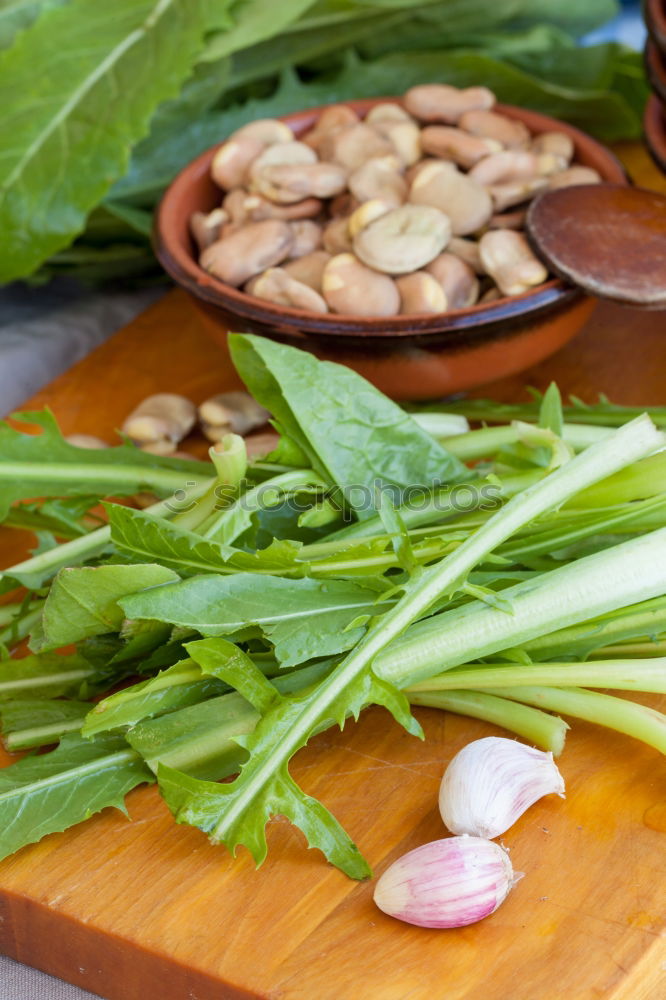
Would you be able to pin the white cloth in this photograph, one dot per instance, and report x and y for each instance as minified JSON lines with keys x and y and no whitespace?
{"x":18,"y":982}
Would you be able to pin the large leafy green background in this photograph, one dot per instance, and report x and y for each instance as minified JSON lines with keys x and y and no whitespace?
{"x":128,"y":92}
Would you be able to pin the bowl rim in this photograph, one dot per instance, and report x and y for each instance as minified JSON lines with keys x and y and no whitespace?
{"x":654,"y":128}
{"x":654,"y":14}
{"x":185,"y":270}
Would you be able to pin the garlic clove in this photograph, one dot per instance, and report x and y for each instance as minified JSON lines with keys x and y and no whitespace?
{"x":447,"y":883}
{"x":491,"y":782}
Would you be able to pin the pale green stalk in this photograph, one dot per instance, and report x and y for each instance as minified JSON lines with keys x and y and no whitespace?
{"x":41,"y":736}
{"x":480,"y":494}
{"x":625,"y":574}
{"x":639,"y":721}
{"x":485,"y":442}
{"x":546,"y":731}
{"x":621,"y":675}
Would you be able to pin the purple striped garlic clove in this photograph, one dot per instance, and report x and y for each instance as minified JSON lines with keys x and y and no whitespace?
{"x":447,"y":883}
{"x":491,"y":782}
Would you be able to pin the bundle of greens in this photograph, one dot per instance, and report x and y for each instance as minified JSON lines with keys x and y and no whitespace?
{"x":363,"y":562}
{"x":127,"y":93}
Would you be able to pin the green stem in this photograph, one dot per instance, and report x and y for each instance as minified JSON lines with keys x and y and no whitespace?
{"x":485,"y":442}
{"x":588,"y":588}
{"x":638,"y":649}
{"x":626,"y":717}
{"x":622,"y":675}
{"x":102,"y":474}
{"x":547,"y":731}
{"x":447,"y":502}
{"x":41,"y":736}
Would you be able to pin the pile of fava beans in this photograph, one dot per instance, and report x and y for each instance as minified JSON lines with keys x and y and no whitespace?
{"x":416,"y":209}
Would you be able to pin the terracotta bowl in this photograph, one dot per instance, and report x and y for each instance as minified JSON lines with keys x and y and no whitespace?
{"x":655,"y":66}
{"x":654,"y":12}
{"x":654,"y":125}
{"x":407,"y":357}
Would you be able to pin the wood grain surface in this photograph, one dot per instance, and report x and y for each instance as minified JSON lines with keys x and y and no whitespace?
{"x":145,"y":909}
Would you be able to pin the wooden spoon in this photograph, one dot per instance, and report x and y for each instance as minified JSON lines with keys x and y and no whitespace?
{"x":607,"y":239}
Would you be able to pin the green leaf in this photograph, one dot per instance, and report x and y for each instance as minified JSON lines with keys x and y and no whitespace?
{"x":302,"y":618}
{"x":177,"y":687}
{"x":200,"y":739}
{"x":51,"y":792}
{"x":199,"y":803}
{"x":228,"y":663}
{"x":46,"y":465}
{"x":550,"y":412}
{"x":50,"y":675}
{"x":254,"y":20}
{"x":146,"y":537}
{"x":36,"y":722}
{"x":66,"y":136}
{"x":381,"y":444}
{"x":17,"y":15}
{"x":83,"y":601}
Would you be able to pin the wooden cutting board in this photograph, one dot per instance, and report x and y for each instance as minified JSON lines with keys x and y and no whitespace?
{"x":145,"y":909}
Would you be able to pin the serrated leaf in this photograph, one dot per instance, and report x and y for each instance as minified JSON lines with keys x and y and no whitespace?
{"x":303,"y":618}
{"x":198,"y":803}
{"x":83,"y":601}
{"x":66,"y":136}
{"x":51,"y":792}
{"x":45,"y":465}
{"x":222,"y":810}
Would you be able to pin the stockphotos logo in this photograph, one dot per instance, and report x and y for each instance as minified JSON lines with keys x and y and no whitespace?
{"x":348,"y":499}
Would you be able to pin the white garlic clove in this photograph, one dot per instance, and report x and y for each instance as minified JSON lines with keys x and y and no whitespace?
{"x":447,"y":883}
{"x":491,"y":782}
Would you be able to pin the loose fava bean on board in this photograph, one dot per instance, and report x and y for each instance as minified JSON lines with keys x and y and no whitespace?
{"x":249,"y":251}
{"x":404,"y":239}
{"x":508,"y":259}
{"x":351,"y":288}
